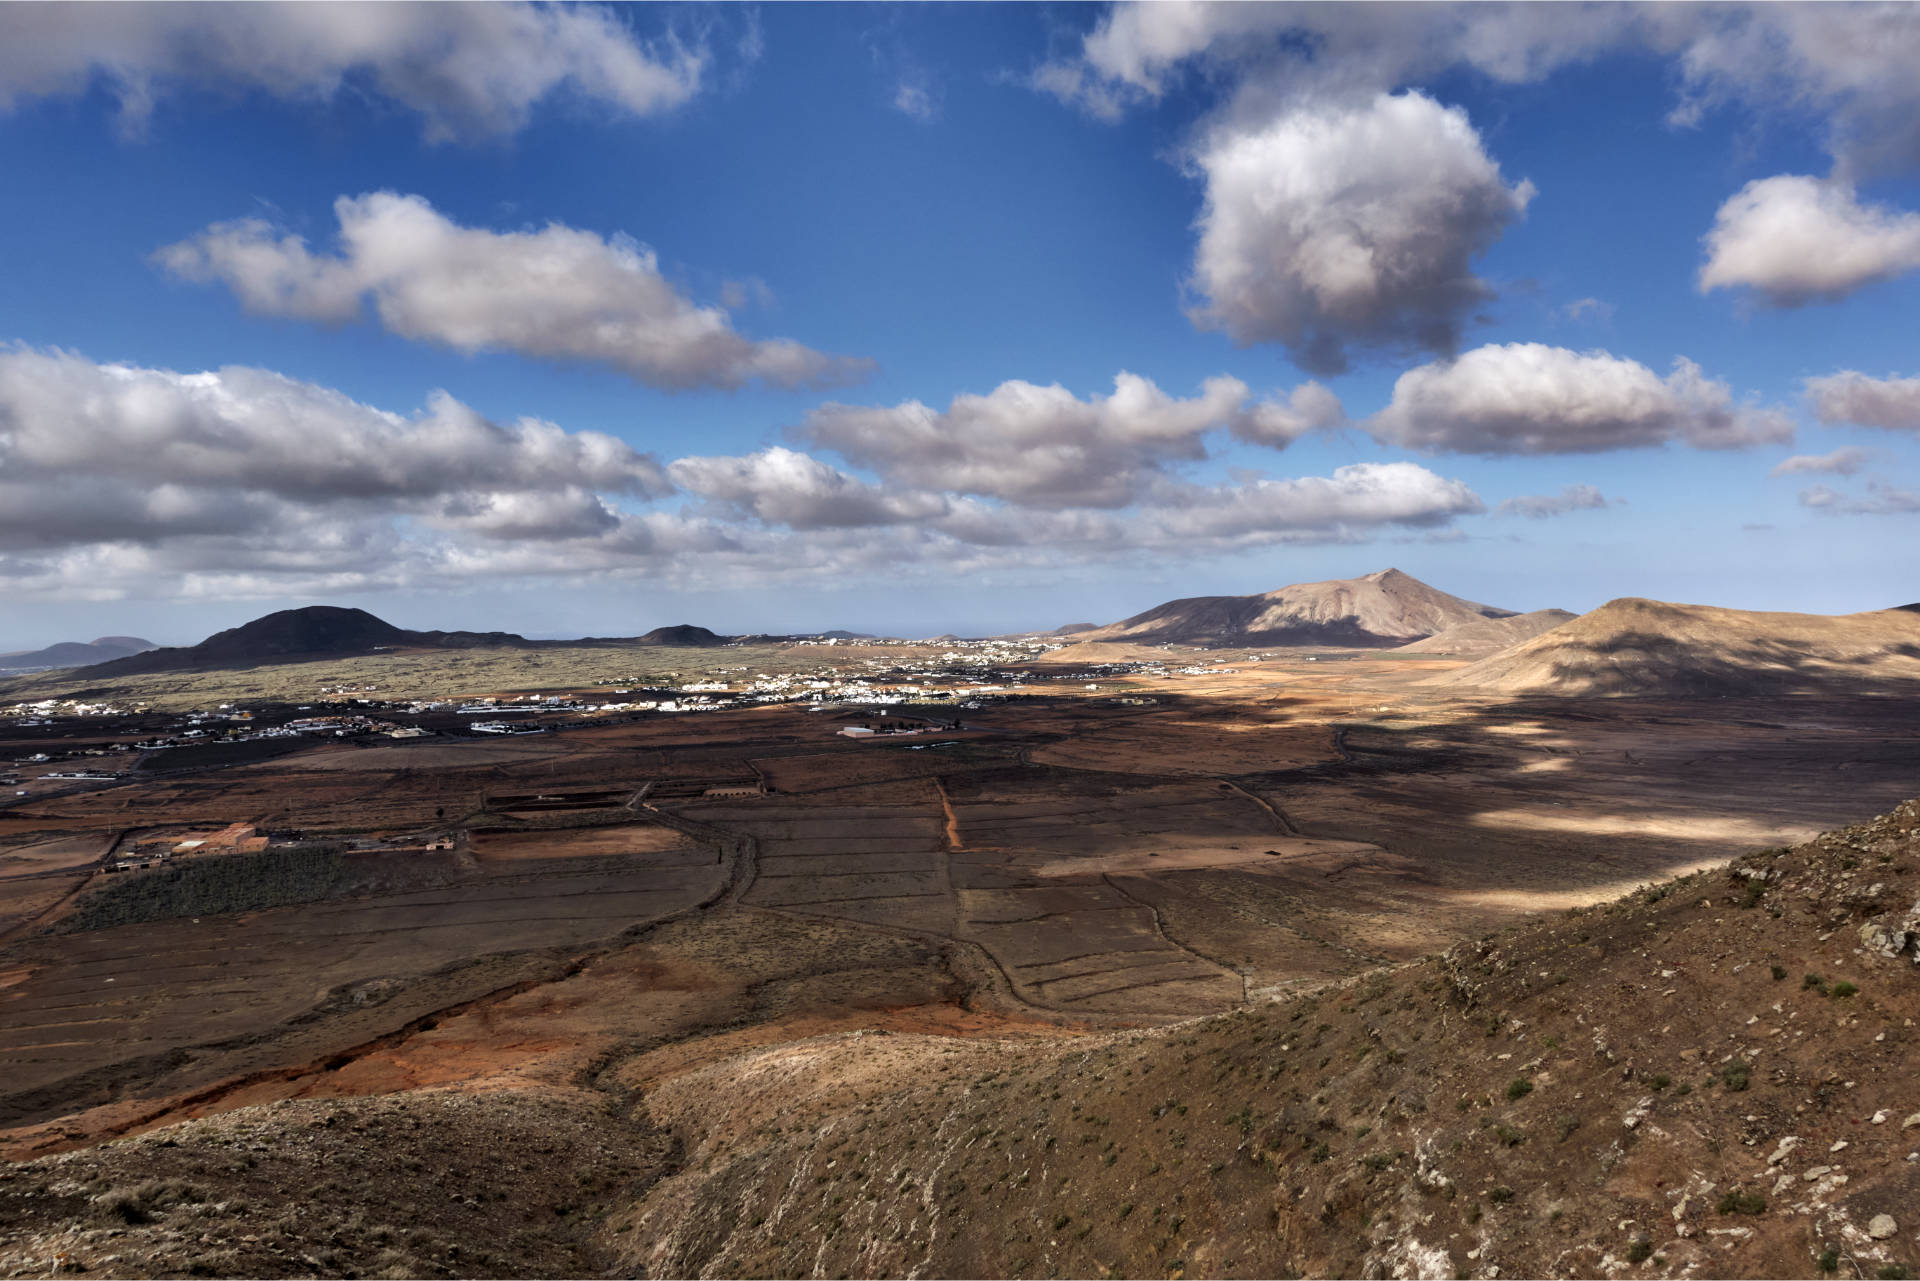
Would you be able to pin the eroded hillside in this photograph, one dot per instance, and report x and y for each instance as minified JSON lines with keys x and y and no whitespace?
{"x":1711,"y":1077}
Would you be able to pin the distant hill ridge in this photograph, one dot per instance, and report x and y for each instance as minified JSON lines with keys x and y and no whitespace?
{"x":1642,"y":647}
{"x":73,"y":653}
{"x":1379,"y":610}
{"x":332,"y":631}
{"x":1489,"y":635}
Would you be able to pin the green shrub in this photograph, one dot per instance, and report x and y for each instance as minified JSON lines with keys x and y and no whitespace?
{"x":1829,"y":1260}
{"x":1500,"y":1195}
{"x":1843,"y":989}
{"x":1736,"y":1075}
{"x":1779,"y":972}
{"x":1640,"y":1251}
{"x":1519,"y":1088}
{"x":1740,"y":1201}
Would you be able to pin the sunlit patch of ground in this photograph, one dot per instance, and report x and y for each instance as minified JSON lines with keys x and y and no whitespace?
{"x":1725,"y":829}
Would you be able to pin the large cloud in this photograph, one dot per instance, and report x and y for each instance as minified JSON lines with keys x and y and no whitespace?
{"x":1356,"y":497}
{"x":557,"y":293}
{"x":118,"y":480}
{"x":1853,"y":397}
{"x":1527,"y":398}
{"x":467,"y":69}
{"x":1333,"y":224}
{"x":1137,"y":50}
{"x":1851,"y":65}
{"x":1286,"y":66}
{"x":253,"y":430}
{"x":1796,"y":240}
{"x":1045,"y":447}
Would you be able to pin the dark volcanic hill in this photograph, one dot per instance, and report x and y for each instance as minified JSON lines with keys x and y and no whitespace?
{"x":1382,"y":609}
{"x":1655,"y":648}
{"x":74,"y":653}
{"x":683,"y":635}
{"x":293,"y":635}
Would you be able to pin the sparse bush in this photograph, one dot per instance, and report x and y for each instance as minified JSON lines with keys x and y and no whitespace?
{"x":1815,"y":982}
{"x":1843,"y":989}
{"x":1736,"y":1075}
{"x":1779,"y":972}
{"x":1741,"y":1201}
{"x":1640,"y":1251}
{"x":1519,"y":1088}
{"x":1828,"y":1260}
{"x":123,"y":1206}
{"x":1659,"y":1081}
{"x":1500,"y":1195}
{"x":1892,"y":1272}
{"x":139,"y":1204}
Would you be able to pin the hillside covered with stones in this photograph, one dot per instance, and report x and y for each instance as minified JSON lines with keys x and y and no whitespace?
{"x":1710,"y":1077}
{"x":1713,"y":1076}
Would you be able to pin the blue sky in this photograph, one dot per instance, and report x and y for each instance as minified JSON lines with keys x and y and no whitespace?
{"x":585,"y":320}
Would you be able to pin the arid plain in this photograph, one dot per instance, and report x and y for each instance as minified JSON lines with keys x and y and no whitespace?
{"x":599,"y":918}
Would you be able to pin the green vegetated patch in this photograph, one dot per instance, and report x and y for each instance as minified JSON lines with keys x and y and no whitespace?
{"x":212,"y":755}
{"x":433,"y":673}
{"x":213,"y":886}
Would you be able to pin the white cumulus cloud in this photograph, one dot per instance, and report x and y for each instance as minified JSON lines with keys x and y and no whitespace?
{"x":1844,"y":461}
{"x":1571,"y":498}
{"x":1357,"y":496}
{"x":1043,"y":446}
{"x":1528,"y":398}
{"x":1138,"y":49}
{"x":1880,"y":500}
{"x":557,"y":293}
{"x":783,"y":487}
{"x":1848,"y":65}
{"x":1335,"y":224}
{"x":120,"y":480}
{"x":467,"y":69}
{"x":1795,"y":240}
{"x":254,"y":430}
{"x":1853,"y":397}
